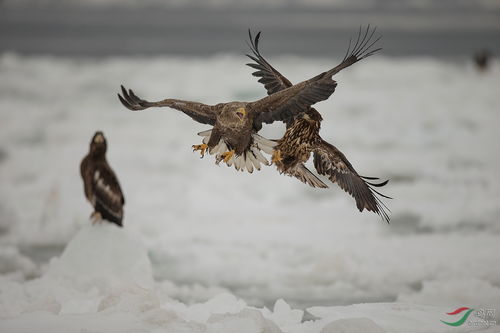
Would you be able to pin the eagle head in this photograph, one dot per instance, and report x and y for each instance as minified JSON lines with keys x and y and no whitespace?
{"x":312,"y":115}
{"x":98,"y":144}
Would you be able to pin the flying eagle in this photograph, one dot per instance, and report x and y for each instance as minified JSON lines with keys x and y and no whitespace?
{"x":101,"y":186}
{"x":302,"y":137}
{"x":233,"y":136}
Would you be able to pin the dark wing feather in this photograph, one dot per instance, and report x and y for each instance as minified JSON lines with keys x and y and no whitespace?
{"x":272,"y":80}
{"x":363,"y":48}
{"x":202,"y":113}
{"x":85,"y":171}
{"x":107,"y":196}
{"x":329,"y":161}
{"x":292,"y":101}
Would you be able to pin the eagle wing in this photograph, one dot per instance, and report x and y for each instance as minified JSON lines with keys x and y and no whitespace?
{"x":202,"y":113}
{"x":107,"y":196}
{"x":272,"y":80}
{"x":330,"y":162}
{"x":363,"y":48}
{"x":306,"y":176}
{"x":306,"y":93}
{"x":86,"y":172}
{"x":288,"y":103}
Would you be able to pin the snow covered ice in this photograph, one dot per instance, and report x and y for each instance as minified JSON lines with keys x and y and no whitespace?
{"x":209,"y":249}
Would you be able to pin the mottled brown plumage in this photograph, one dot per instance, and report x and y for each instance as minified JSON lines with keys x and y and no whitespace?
{"x":302,"y":137}
{"x":101,"y":186}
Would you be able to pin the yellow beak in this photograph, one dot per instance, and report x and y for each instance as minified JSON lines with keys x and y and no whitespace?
{"x":241,"y":112}
{"x":99,"y":138}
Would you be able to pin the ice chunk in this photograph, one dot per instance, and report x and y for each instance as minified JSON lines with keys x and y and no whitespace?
{"x":352,"y":325}
{"x":246,"y":321}
{"x":284,"y":316}
{"x":105,"y":256}
{"x":11,"y":262}
{"x":220,"y":304}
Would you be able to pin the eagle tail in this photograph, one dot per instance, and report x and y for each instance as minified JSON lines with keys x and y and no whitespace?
{"x":107,"y":214}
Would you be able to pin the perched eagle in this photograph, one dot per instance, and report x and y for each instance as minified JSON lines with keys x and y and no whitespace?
{"x":302,"y":137}
{"x":101,"y":186}
{"x":233,"y":136}
{"x":482,"y":59}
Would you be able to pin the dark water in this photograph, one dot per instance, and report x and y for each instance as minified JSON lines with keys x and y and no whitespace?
{"x":152,"y":31}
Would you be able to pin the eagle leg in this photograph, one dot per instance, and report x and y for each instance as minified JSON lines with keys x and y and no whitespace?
{"x":227,"y":155}
{"x":202,"y":148}
{"x":96,"y":217}
{"x":276,"y":156}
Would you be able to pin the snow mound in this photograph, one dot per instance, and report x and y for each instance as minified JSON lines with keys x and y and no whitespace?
{"x":104,"y":255}
{"x":103,"y":282}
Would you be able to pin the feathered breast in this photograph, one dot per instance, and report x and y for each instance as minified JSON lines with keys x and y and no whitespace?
{"x":298,"y":141}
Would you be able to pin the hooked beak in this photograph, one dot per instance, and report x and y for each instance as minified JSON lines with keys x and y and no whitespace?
{"x":99,"y":138}
{"x":241,"y":113}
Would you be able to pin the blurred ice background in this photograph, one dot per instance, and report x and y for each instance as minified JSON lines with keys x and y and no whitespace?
{"x":206,"y":248}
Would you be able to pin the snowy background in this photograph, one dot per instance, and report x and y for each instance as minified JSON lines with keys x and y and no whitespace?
{"x":209,"y":249}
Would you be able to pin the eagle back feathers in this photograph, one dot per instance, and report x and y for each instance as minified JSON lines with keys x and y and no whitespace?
{"x":102,"y":188}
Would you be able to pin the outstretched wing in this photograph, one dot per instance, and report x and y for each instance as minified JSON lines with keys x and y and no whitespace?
{"x":306,"y":176}
{"x":330,"y":162}
{"x":107,"y":196}
{"x":363,"y":48}
{"x":301,"y":96}
{"x":292,"y":101}
{"x":272,"y":80}
{"x":202,"y":113}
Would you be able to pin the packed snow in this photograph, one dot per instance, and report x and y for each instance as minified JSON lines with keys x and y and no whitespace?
{"x":208,"y":249}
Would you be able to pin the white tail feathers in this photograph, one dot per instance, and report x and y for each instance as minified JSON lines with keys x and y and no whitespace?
{"x":251,"y":159}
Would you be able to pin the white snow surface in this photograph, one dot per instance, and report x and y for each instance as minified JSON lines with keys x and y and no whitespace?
{"x":208,"y":249}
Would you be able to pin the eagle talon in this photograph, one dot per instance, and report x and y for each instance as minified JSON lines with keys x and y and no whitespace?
{"x":276,"y":156}
{"x":202,"y":148}
{"x":96,"y":217}
{"x":227,"y":156}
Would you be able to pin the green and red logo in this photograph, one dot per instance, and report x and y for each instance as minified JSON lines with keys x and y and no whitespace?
{"x":467,"y":311}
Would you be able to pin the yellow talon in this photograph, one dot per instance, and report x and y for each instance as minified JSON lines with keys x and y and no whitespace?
{"x":202,"y":148}
{"x":96,"y":217}
{"x":276,"y":156}
{"x":227,"y":155}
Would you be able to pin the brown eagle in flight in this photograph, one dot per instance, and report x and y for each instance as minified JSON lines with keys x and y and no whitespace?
{"x":101,"y":186}
{"x":302,"y":137}
{"x":233,"y":136}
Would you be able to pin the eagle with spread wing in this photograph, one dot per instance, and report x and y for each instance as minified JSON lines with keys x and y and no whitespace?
{"x":101,"y":186}
{"x":302,"y":137}
{"x":233,"y":136}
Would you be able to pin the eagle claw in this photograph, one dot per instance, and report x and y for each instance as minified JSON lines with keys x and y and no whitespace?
{"x":202,"y":148}
{"x":276,"y":156}
{"x":96,"y":217}
{"x":226,"y":156}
